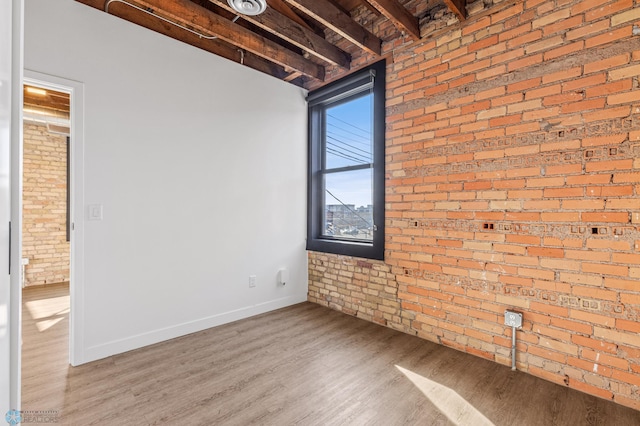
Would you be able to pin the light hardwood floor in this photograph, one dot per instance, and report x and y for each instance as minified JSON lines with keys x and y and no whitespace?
{"x":302,"y":365}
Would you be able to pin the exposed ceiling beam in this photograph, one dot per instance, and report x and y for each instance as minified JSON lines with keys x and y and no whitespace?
{"x":459,"y":7}
{"x":216,"y":46}
{"x":46,"y":98}
{"x":350,"y":5}
{"x":335,"y":19}
{"x":292,"y":76}
{"x":276,"y":23}
{"x":399,"y":15}
{"x":286,"y":10}
{"x":203,"y":20}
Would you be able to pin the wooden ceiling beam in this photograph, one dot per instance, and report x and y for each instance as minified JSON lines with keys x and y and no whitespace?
{"x":203,"y":20}
{"x":53,"y":100}
{"x":292,"y":76}
{"x":46,"y":106}
{"x":335,"y":19}
{"x":285,"y":9}
{"x":350,"y":5}
{"x":399,"y":15}
{"x":276,"y":23}
{"x":217,"y":47}
{"x":459,"y":7}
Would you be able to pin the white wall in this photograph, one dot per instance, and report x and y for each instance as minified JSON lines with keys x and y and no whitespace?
{"x":200,"y":166}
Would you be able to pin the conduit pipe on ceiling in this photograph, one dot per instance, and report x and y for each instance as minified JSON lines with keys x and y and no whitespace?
{"x":150,"y":12}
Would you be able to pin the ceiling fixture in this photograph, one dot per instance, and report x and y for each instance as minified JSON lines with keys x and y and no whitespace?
{"x":36,"y":91}
{"x":248,"y":7}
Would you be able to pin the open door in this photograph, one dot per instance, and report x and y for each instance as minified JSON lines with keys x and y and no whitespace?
{"x":11,"y":13}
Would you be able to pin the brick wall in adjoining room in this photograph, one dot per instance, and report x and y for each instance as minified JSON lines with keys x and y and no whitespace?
{"x":513,"y":182}
{"x":44,"y":206}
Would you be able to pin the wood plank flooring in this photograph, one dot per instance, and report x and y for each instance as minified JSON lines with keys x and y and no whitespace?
{"x":302,"y":365}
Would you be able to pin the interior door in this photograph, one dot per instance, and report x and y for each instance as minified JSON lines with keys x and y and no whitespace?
{"x":5,"y":198}
{"x":10,"y":89}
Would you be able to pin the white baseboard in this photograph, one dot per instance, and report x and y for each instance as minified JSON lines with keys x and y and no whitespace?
{"x":115,"y":347}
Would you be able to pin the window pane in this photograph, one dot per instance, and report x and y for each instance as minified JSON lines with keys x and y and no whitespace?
{"x":348,"y":210}
{"x":348,"y":139}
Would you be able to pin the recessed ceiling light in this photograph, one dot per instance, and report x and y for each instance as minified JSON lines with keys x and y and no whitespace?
{"x":36,"y":91}
{"x":248,"y":7}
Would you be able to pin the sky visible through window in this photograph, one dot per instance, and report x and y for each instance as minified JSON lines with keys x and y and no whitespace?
{"x":349,"y":143}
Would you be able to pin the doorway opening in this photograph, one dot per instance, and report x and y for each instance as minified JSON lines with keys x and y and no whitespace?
{"x":46,"y":242}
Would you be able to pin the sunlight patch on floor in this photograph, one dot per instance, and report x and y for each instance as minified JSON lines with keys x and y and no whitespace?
{"x":48,"y":323}
{"x":44,"y":308}
{"x":449,"y":402}
{"x":48,"y":312}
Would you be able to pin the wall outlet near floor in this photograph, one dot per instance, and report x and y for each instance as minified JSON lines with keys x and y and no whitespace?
{"x":283,"y":276}
{"x":252,"y":280}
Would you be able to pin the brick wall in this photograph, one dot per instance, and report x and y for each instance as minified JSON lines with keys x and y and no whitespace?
{"x":513,"y":182}
{"x":44,"y":206}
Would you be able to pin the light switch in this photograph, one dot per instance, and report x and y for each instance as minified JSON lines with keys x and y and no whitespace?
{"x":95,"y":211}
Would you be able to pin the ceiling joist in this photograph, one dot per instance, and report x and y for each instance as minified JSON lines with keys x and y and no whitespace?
{"x":292,"y":76}
{"x":285,"y":9}
{"x":459,"y":7}
{"x":399,"y":15}
{"x":301,"y":36}
{"x":335,"y":19}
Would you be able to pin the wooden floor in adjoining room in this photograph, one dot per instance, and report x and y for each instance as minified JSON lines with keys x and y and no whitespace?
{"x":302,"y":365}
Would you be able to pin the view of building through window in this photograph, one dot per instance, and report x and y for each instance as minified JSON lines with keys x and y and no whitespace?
{"x":348,"y":180}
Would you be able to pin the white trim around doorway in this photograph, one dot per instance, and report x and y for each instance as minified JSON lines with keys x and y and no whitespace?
{"x":76,"y":168}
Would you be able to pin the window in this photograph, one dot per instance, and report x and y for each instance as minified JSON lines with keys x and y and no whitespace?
{"x":346,"y":165}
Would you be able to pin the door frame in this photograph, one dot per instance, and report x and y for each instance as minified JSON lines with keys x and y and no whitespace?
{"x":75,"y":167}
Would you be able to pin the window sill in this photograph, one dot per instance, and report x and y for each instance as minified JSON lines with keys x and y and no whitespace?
{"x":347,"y":248}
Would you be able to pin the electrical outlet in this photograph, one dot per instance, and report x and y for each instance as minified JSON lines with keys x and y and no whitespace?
{"x":512,"y":319}
{"x":252,"y":280}
{"x":283,"y":276}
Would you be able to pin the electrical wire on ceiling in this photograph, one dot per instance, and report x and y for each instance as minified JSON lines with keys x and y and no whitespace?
{"x":150,"y":12}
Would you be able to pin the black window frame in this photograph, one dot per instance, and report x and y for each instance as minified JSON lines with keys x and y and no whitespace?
{"x":367,"y":80}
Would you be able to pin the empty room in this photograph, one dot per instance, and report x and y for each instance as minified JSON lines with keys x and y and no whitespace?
{"x":321,"y":212}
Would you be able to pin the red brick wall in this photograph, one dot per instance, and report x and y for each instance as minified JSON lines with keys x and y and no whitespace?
{"x":513,"y":182}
